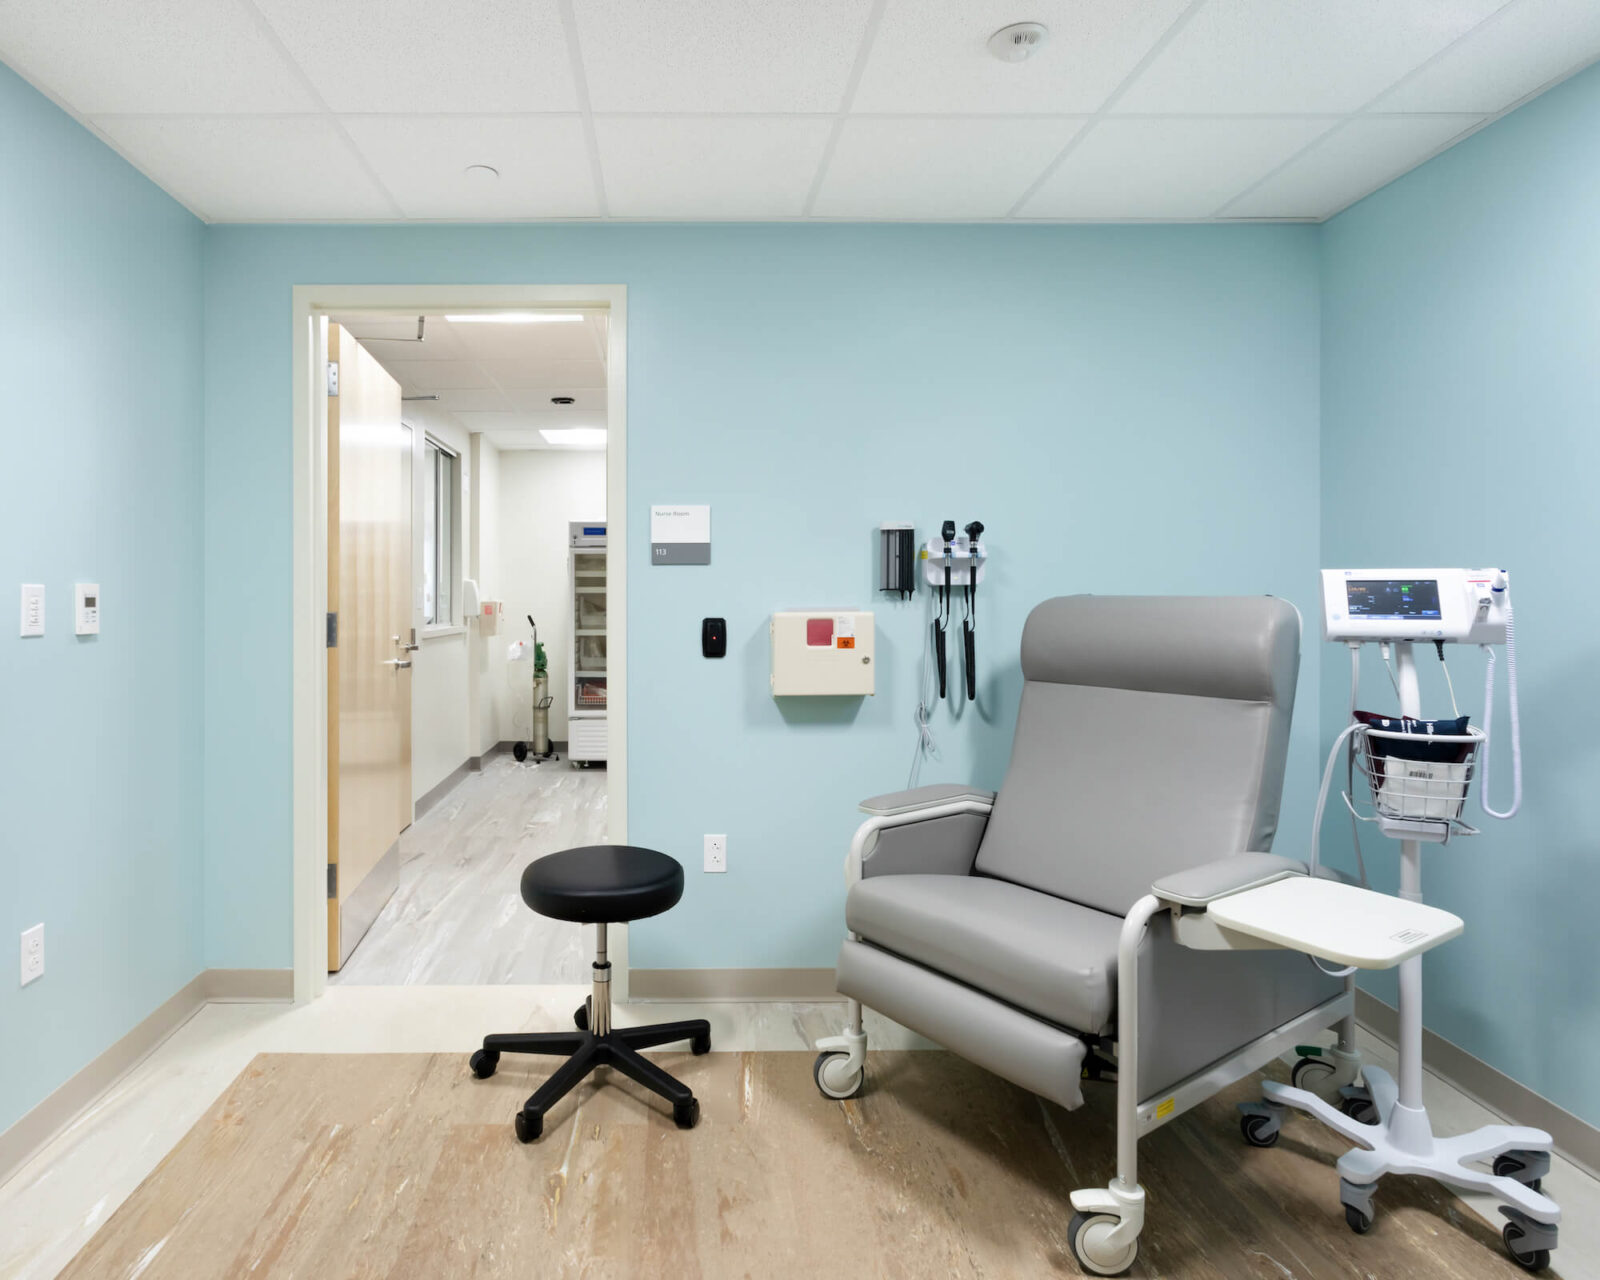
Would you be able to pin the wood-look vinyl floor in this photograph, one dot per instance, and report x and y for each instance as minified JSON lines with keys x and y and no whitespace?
{"x":403,"y":1165}
{"x":458,"y":917}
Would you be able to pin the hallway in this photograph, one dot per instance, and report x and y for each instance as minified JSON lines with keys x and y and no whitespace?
{"x":457,"y":917}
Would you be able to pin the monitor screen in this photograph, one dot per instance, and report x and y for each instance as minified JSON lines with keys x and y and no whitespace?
{"x":1393,"y":598}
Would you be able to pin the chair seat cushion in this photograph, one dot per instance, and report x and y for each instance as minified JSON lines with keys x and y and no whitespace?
{"x":1051,"y":957}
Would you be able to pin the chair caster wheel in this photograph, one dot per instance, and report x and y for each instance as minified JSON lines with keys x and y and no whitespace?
{"x":1085,"y":1234}
{"x":700,"y":1044}
{"x":1527,"y":1259}
{"x":1356,"y":1220}
{"x":580,"y":1016}
{"x":529,"y":1124}
{"x":483,"y":1063}
{"x":686,"y":1114}
{"x":1260,"y":1131}
{"x":832,"y":1080}
{"x":1308,"y":1073}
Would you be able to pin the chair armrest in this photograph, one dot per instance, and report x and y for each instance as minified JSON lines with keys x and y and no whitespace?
{"x":898,"y":802}
{"x":1200,"y":885}
{"x":932,"y":830}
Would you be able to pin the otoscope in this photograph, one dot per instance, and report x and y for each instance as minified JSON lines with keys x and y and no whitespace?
{"x":941,"y":619}
{"x":969,"y":624}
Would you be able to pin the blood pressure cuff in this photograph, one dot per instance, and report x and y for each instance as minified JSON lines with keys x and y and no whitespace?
{"x":1422,"y":749}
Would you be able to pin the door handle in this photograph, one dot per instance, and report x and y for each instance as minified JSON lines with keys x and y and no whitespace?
{"x":408,"y":648}
{"x":400,"y":664}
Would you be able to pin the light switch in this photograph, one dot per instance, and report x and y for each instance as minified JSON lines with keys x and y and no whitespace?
{"x":32,"y":609}
{"x":88,"y":609}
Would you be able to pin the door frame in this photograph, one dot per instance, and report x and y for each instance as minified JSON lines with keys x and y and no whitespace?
{"x":309,"y":736}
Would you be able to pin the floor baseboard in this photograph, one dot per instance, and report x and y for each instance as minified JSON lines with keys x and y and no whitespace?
{"x":732,"y":984}
{"x":1576,"y":1139}
{"x":58,"y":1110}
{"x":435,"y":794}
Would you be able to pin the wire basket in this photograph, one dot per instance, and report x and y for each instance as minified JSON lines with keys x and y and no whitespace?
{"x":1418,"y":778}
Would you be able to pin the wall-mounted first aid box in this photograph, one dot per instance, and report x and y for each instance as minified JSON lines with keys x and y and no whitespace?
{"x":822,"y":651}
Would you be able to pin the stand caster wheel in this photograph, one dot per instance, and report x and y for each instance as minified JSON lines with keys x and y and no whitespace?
{"x":1260,"y":1131}
{"x":1509,"y":1165}
{"x":1086,"y":1234}
{"x":700,"y":1044}
{"x":520,"y":751}
{"x":580,"y":1016}
{"x":483,"y":1063}
{"x":831,"y":1077}
{"x":1361,"y":1110}
{"x":686,"y":1114}
{"x":1527,"y":1259}
{"x":529,"y":1124}
{"x":1309,"y":1073}
{"x":1356,"y":1220}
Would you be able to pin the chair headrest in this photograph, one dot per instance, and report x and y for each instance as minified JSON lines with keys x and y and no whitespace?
{"x":1242,"y":647}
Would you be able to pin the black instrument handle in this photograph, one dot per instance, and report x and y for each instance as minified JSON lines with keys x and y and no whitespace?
{"x":971,"y":638}
{"x":938,"y":648}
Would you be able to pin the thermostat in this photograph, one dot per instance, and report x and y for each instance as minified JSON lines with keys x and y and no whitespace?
{"x":88,"y":609}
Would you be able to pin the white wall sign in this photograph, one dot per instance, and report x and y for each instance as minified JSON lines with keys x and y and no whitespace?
{"x":680,"y":534}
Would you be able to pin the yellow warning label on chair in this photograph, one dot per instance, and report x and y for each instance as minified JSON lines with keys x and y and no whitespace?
{"x":1165,"y":1109}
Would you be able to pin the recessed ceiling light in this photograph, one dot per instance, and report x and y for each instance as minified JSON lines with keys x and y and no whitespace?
{"x":1019,"y":41}
{"x":516,"y":317}
{"x":481,"y":172}
{"x":574,"y":435}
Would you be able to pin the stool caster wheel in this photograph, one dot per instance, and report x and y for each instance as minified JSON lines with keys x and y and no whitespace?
{"x":580,"y":1016}
{"x":1510,"y":1164}
{"x":1356,"y":1220}
{"x":529,"y":1124}
{"x":1259,"y":1131}
{"x":686,"y":1114}
{"x":700,"y":1044}
{"x":1360,"y":1108}
{"x":483,"y":1063}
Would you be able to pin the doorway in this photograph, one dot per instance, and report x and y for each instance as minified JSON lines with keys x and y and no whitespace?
{"x":442,"y":591}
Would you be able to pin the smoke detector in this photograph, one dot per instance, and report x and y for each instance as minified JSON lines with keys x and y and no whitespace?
{"x":1018,"y":42}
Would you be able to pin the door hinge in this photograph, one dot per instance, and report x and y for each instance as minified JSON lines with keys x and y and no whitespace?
{"x":333,"y":377}
{"x":333,"y":631}
{"x":333,"y":880}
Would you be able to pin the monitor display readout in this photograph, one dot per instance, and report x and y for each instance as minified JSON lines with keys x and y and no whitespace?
{"x":1393,"y":598}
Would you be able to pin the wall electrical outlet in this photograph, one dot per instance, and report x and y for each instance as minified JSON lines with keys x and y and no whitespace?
{"x":32,"y":954}
{"x":716,"y":853}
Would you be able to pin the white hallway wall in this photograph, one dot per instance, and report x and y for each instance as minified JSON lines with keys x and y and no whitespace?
{"x":485,"y":653}
{"x":540,"y":491}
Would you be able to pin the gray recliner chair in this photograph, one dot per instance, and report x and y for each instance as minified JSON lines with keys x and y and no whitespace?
{"x":1064,"y":917}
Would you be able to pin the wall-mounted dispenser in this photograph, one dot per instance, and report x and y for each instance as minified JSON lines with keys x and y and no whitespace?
{"x":897,"y":559}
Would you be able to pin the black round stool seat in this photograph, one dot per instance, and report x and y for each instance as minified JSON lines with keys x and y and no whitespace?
{"x":603,"y":884}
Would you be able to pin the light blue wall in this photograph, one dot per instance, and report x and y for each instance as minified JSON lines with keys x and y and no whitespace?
{"x":1127,"y":409}
{"x":100,"y":361}
{"x":1461,"y":425}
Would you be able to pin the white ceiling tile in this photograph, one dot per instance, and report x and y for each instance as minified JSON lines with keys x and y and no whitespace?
{"x":1348,"y":163}
{"x":543,"y":163}
{"x":1524,"y":47}
{"x":439,"y":341}
{"x":474,"y":400}
{"x":709,"y":167}
{"x":435,"y":375}
{"x":1168,"y":168}
{"x":719,"y":55}
{"x":1291,"y":56}
{"x":931,"y":56}
{"x":424,"y":56}
{"x":171,"y":56}
{"x":586,"y":399}
{"x":559,"y":376}
{"x":937,"y":168}
{"x":249,"y":169}
{"x":530,"y":421}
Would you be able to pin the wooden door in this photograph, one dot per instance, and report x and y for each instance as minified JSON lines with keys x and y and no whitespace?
{"x":369,"y":665}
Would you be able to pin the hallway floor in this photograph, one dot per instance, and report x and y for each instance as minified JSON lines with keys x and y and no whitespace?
{"x":457,"y":918}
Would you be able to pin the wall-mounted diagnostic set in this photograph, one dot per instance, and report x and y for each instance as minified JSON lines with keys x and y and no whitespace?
{"x":951,"y":561}
{"x":822,"y":652}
